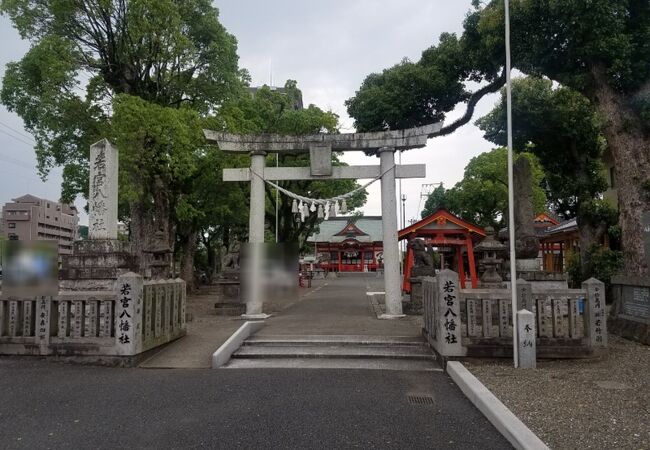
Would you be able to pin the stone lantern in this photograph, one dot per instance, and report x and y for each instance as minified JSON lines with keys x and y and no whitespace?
{"x":490,"y":249}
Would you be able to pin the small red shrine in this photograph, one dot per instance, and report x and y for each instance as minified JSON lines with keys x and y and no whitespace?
{"x":453,"y":237}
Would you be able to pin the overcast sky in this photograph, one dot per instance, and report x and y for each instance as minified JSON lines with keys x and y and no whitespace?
{"x":329,"y":47}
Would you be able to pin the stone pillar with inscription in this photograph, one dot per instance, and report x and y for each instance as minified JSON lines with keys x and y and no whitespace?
{"x":448,"y":340}
{"x":596,"y":318}
{"x":103,"y":192}
{"x":97,"y":262}
{"x":526,"y":336}
{"x":128,"y":314}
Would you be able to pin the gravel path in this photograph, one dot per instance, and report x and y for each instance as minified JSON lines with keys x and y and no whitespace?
{"x":579,"y":404}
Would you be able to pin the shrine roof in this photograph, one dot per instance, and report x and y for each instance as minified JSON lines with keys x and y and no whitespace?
{"x":339,"y":229}
{"x":441,"y":219}
{"x":546,"y":220}
{"x":568,"y":226}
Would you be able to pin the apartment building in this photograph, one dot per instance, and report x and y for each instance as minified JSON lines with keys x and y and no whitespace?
{"x":29,"y":218}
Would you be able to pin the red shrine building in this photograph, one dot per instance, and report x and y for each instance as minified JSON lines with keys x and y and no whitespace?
{"x":349,"y":244}
{"x":454,"y":240}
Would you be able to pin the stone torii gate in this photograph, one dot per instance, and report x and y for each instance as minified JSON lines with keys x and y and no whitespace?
{"x":320,"y":147}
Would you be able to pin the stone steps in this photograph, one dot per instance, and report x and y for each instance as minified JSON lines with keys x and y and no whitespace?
{"x":334,"y":352}
{"x":343,"y":340}
{"x":335,"y":364}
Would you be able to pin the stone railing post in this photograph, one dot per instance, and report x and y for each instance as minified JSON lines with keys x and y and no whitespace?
{"x":128,"y":314}
{"x":447,"y":315}
{"x":43,"y":315}
{"x":595,"y":316}
{"x":428,"y":306}
{"x":526,"y":334}
{"x":183,"y":304}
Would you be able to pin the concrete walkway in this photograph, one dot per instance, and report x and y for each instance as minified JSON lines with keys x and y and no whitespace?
{"x":206,"y":332}
{"x":340,"y":307}
{"x":194,"y":351}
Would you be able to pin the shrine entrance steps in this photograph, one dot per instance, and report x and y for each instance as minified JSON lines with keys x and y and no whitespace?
{"x":334,"y":352}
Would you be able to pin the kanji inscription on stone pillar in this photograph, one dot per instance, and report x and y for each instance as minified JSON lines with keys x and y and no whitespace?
{"x":103,"y":191}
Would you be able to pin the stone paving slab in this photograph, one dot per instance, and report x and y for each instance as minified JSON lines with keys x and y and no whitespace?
{"x":340,"y":307}
{"x":206,"y":332}
{"x":194,"y":350}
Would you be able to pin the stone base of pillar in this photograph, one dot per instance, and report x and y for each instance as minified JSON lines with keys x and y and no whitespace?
{"x":255,"y":316}
{"x":391,"y":316}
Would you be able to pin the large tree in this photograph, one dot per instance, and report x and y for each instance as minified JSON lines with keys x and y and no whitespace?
{"x":84,"y":54}
{"x":599,"y":48}
{"x":561,"y":127}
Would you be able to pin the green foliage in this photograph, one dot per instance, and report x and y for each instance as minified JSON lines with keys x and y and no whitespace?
{"x":562,"y":129}
{"x":159,"y":146}
{"x":573,"y":268}
{"x":641,"y":104}
{"x":85,"y":53}
{"x":271,"y":111}
{"x":598,"y":48}
{"x":438,"y":199}
{"x":481,"y":197}
{"x":411,"y":94}
{"x":576,"y":42}
{"x":605,"y":263}
{"x":597,"y":211}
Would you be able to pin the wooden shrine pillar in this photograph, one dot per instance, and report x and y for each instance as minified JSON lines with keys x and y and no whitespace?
{"x":406,"y":282}
{"x":472,"y":263}
{"x":461,"y":266}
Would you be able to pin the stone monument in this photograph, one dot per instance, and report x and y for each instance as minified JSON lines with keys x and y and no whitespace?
{"x":526,"y":241}
{"x":102,"y":223}
{"x":98,"y":261}
{"x":158,"y":257}
{"x":630,"y":313}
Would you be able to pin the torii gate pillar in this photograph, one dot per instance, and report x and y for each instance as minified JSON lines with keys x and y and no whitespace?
{"x":392,"y":288}
{"x":254,"y":300}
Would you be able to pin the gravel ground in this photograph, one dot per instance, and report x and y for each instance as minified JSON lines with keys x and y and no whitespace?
{"x":602,"y":403}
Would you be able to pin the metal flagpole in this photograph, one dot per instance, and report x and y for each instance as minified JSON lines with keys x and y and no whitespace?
{"x":511,"y":193}
{"x":401,"y":225}
{"x":277,"y":199}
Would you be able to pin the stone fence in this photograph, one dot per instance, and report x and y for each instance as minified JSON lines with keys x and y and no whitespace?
{"x":478,"y":322}
{"x":135,"y":317}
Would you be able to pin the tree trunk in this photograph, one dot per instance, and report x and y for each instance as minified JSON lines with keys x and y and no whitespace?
{"x":590,"y":235}
{"x":140,"y":231}
{"x":151,"y":229}
{"x":187,"y":260}
{"x":630,"y":148}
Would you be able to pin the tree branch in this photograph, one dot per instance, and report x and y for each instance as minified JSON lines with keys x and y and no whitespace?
{"x":471,"y":106}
